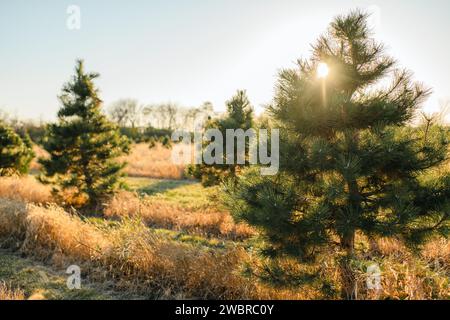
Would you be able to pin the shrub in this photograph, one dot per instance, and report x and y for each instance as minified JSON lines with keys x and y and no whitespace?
{"x":83,"y":145}
{"x":16,"y":153}
{"x":239,"y":116}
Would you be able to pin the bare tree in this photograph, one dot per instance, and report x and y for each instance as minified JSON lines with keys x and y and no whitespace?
{"x":165,"y":114}
{"x":199,"y":115}
{"x":172,"y":116}
{"x":155,"y":115}
{"x":190,"y":116}
{"x":126,"y":112}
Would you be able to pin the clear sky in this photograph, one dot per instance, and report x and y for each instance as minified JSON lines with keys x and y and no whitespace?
{"x":191,"y":51}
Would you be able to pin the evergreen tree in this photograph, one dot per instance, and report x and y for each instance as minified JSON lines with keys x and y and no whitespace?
{"x":83,"y":144}
{"x":16,"y":152}
{"x":239,"y":115}
{"x":350,"y":162}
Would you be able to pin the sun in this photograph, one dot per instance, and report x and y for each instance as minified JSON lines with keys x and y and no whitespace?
{"x":322,"y":70}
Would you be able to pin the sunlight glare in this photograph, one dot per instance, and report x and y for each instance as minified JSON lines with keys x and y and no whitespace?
{"x":322,"y":70}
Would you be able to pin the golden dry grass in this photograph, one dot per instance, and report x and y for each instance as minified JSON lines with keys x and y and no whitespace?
{"x":12,"y":222}
{"x":438,"y":252}
{"x":152,"y":163}
{"x":416,"y":277}
{"x":137,"y":259}
{"x":26,"y":189}
{"x":7,"y":293}
{"x":162,"y":214}
{"x":39,"y":153}
{"x":52,"y":234}
{"x":141,"y":162}
{"x":403,"y":276}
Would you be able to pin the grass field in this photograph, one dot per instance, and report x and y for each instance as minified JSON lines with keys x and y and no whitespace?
{"x":152,"y":163}
{"x":23,"y":278}
{"x":142,"y":161}
{"x":170,"y":238}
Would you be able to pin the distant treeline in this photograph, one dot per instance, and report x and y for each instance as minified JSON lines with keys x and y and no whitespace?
{"x":140,"y":123}
{"x":148,"y":135}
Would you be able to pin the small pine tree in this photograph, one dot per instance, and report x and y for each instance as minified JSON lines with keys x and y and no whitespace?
{"x":16,"y":153}
{"x":239,"y":116}
{"x":83,"y":144}
{"x":349,"y":162}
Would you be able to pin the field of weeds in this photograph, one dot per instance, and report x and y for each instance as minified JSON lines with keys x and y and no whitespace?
{"x":152,"y":162}
{"x":142,"y":161}
{"x":152,"y":244}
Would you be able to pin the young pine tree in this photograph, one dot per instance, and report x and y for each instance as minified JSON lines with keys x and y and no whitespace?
{"x":83,"y":144}
{"x":350,"y":162}
{"x":239,"y":116}
{"x":16,"y":152}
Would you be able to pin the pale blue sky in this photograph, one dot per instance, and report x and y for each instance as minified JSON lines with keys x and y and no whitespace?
{"x":191,"y":51}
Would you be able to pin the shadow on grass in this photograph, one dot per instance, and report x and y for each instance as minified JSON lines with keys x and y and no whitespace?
{"x":161,"y":186}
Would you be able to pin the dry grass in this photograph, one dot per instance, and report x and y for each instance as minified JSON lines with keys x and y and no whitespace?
{"x":52,"y":234}
{"x":404,"y":275}
{"x":162,"y":214}
{"x":26,"y":189}
{"x":12,"y":223}
{"x":171,"y":269}
{"x":40,"y":153}
{"x":134,"y":257}
{"x":424,"y":275}
{"x":438,"y":253}
{"x":138,"y":261}
{"x":421,"y":276}
{"x":152,"y":163}
{"x":6,"y":293}
{"x":142,"y":162}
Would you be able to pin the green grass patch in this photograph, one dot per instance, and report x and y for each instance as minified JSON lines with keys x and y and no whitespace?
{"x":40,"y":282}
{"x":186,"y":193}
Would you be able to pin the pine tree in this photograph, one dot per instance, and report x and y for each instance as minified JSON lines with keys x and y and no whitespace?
{"x":239,"y":115}
{"x":16,"y":152}
{"x":83,"y":144}
{"x":351,"y":163}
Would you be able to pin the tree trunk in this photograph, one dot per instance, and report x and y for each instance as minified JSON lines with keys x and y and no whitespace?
{"x":348,"y":279}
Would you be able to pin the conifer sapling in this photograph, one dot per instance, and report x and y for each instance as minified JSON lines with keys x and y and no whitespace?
{"x":83,"y":144}
{"x":351,"y":162}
